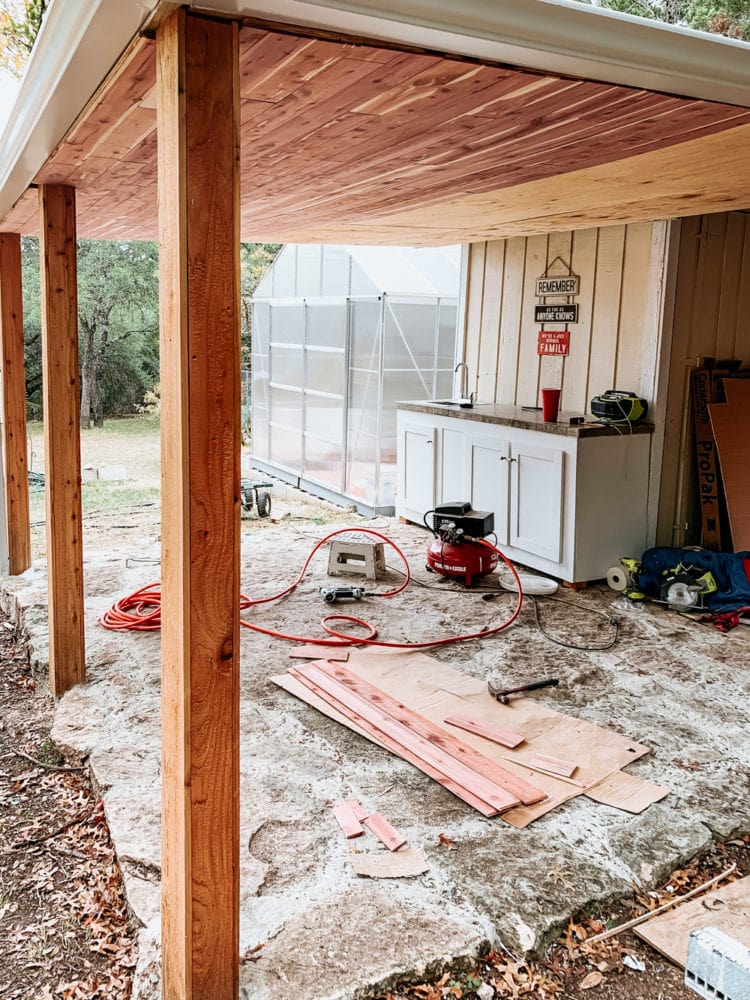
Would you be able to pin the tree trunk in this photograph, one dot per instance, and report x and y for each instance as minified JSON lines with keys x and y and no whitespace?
{"x":87,"y":375}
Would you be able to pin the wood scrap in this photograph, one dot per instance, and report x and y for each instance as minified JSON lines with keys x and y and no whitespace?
{"x":347,"y":820}
{"x":494,"y":734}
{"x":360,"y":813}
{"x":627,"y":792}
{"x":554,"y":765}
{"x":727,"y":909}
{"x":406,"y":863}
{"x":544,"y":770}
{"x":660,"y":909}
{"x":731,"y":425}
{"x":311,"y":652}
{"x":437,"y":737}
{"x":365,"y":728}
{"x":386,"y":834}
{"x":488,"y":798}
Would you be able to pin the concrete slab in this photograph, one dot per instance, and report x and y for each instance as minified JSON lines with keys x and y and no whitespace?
{"x":680,"y":687}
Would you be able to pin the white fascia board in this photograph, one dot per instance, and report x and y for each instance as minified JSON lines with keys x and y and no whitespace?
{"x":79,"y":43}
{"x":554,"y":36}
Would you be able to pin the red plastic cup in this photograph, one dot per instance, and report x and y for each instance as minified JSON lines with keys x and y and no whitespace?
{"x":550,"y":404}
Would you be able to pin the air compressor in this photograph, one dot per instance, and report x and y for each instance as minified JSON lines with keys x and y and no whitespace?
{"x":456,"y":549}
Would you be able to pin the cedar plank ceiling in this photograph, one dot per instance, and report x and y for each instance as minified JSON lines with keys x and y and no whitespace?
{"x":343,"y":141}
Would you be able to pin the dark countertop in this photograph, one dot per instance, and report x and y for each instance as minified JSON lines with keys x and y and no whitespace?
{"x":514,"y":416}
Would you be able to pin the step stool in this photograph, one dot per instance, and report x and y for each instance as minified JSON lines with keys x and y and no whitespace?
{"x":355,"y":556}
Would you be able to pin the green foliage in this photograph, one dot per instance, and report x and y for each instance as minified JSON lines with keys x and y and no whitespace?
{"x":255,"y":260}
{"x":20,"y":21}
{"x":721,"y":17}
{"x":118,"y":295}
{"x":117,"y":321}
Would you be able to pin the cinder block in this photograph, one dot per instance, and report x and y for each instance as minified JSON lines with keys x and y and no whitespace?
{"x":718,"y":967}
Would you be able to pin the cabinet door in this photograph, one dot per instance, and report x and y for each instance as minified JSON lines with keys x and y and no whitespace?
{"x":489,"y":480}
{"x":417,"y":468}
{"x":536,"y":501}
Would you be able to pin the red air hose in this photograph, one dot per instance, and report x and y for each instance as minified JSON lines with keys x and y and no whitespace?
{"x":141,"y":611}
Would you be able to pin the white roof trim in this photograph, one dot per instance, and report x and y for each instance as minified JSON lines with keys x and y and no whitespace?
{"x":555,"y":36}
{"x":78,"y":45}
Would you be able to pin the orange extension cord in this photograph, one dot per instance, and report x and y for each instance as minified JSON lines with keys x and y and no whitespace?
{"x":141,"y":610}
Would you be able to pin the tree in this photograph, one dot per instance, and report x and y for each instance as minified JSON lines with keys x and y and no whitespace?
{"x":118,"y":326}
{"x":721,"y":17}
{"x":118,"y":320}
{"x":20,"y":21}
{"x":255,"y":260}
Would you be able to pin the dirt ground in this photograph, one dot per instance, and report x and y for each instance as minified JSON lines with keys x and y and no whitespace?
{"x":65,"y":931}
{"x":125,"y":550}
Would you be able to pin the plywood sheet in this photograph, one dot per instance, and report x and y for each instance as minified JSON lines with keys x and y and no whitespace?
{"x":727,"y":909}
{"x":437,"y":690}
{"x":731,"y":427}
{"x":407,"y":863}
{"x":626,"y":791}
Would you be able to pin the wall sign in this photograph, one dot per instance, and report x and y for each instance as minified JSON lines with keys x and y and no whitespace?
{"x":556,"y":314}
{"x":553,"y":342}
{"x":566,"y":284}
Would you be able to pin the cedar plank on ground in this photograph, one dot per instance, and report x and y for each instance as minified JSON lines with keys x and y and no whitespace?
{"x":397,"y":748}
{"x":311,"y":652}
{"x":407,"y":735}
{"x":436,"y":736}
{"x":347,"y":820}
{"x":554,"y":764}
{"x":360,"y":813}
{"x":385,"y":833}
{"x":494,"y":734}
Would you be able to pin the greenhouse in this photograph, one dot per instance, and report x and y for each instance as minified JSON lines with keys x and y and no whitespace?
{"x":340,"y":334}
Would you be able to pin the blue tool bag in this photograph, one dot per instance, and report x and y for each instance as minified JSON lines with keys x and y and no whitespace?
{"x":731,"y":571}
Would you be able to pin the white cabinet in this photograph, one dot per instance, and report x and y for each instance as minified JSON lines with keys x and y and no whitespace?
{"x":416,"y":469}
{"x":567,"y":504}
{"x":537,"y":500}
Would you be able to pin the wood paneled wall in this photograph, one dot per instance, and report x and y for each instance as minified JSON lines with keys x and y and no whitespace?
{"x":654,"y":298}
{"x":611,"y":345}
{"x":711,"y":309}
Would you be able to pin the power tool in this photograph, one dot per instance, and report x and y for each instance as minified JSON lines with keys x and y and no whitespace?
{"x":682,"y":587}
{"x":332,"y":594}
{"x":455,"y":550}
{"x":619,"y":407}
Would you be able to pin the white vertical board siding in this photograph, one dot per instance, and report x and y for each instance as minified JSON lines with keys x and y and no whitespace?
{"x":712,"y":300}
{"x":618,"y":267}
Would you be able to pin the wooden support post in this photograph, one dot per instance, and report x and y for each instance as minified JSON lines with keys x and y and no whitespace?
{"x":198,"y":153}
{"x":62,"y":442}
{"x":14,"y":405}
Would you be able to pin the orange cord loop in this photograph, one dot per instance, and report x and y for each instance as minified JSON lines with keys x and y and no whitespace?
{"x":141,"y":610}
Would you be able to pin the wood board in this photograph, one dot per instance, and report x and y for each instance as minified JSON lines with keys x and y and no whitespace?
{"x":727,"y":909}
{"x":435,"y":690}
{"x":339,"y":135}
{"x":731,"y":427}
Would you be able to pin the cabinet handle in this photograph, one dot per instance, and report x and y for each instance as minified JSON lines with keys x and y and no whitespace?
{"x":429,"y":442}
{"x":511,"y":459}
{"x":503,"y":458}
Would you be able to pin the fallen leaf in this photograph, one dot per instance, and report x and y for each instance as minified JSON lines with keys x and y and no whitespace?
{"x":713,"y":904}
{"x":444,"y":841}
{"x":592,"y":980}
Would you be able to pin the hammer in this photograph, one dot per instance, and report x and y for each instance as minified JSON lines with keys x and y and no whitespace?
{"x":504,"y":696}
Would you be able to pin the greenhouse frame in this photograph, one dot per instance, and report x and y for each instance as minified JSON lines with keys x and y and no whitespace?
{"x":340,"y":335}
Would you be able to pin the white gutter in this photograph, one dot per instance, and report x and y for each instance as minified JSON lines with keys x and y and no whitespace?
{"x":79,"y":42}
{"x":555,"y":36}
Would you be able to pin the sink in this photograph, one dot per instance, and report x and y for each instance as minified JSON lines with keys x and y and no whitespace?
{"x":465,"y":402}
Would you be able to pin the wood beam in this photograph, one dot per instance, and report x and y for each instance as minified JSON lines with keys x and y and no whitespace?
{"x":62,"y":442}
{"x":198,"y":172}
{"x":14,"y":405}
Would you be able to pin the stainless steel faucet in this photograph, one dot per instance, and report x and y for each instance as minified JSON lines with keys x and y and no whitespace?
{"x":464,"y":390}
